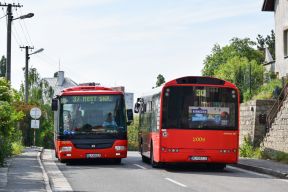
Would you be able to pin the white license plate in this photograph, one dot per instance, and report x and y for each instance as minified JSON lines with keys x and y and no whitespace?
{"x":198,"y":158}
{"x":94,"y":155}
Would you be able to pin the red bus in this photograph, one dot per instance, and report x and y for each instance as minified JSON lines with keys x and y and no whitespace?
{"x":190,"y":120}
{"x":90,"y":122}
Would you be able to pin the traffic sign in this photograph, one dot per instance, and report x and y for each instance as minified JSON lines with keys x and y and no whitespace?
{"x":35,"y":113}
{"x":35,"y":124}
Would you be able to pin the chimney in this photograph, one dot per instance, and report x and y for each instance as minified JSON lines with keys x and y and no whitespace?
{"x":60,"y":78}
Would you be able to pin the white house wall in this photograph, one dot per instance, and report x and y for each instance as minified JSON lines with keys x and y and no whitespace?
{"x":281,"y":23}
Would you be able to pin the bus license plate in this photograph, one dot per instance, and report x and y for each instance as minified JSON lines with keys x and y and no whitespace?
{"x":94,"y":155}
{"x":198,"y":158}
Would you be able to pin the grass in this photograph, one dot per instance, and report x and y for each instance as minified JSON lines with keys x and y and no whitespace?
{"x":266,"y":91}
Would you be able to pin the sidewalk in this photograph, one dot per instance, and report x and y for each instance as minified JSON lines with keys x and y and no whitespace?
{"x":268,"y":167}
{"x":23,"y":172}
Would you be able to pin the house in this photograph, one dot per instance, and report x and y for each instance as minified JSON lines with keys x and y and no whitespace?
{"x":280,"y":9}
{"x":53,"y":86}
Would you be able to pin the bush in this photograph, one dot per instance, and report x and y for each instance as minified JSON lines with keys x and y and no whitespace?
{"x":266,"y":91}
{"x":133,"y":134}
{"x":17,"y":148}
{"x":247,"y":149}
{"x":6,"y":148}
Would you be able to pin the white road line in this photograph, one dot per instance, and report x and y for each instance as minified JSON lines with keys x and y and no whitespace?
{"x":141,"y":167}
{"x":57,"y":179}
{"x":175,"y":182}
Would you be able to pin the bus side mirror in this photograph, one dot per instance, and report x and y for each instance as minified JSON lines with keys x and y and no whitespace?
{"x":54,"y":104}
{"x":136,"y":107}
{"x":129,"y":116}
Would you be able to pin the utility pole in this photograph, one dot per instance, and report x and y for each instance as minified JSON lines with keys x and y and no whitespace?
{"x":26,"y":70}
{"x":9,"y":31}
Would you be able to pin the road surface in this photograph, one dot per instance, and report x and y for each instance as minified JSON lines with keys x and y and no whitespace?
{"x":134,"y":175}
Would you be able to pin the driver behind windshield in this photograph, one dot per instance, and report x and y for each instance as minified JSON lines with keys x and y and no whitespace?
{"x":109,"y":121}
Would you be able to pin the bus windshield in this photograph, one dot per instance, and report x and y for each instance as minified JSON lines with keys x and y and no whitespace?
{"x":92,"y":114}
{"x":202,"y":107}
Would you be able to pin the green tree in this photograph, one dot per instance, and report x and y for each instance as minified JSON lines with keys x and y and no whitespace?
{"x":237,"y":71}
{"x":160,"y":80}
{"x":9,"y":134}
{"x":3,"y":67}
{"x":44,"y":135}
{"x":268,"y":41}
{"x":237,"y":48}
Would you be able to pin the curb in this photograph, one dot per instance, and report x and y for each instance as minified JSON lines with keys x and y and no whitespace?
{"x":45,"y":176}
{"x":262,"y":170}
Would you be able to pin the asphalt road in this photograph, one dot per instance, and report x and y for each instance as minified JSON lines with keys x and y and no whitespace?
{"x":134,"y":175}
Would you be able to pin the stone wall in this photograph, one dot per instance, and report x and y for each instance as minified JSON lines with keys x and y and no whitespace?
{"x":277,"y":137}
{"x":249,"y":120}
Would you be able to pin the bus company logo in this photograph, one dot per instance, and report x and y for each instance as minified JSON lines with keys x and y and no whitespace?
{"x":199,"y":111}
{"x":199,"y":139}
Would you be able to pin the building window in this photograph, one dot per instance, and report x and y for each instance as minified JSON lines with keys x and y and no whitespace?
{"x":286,"y":43}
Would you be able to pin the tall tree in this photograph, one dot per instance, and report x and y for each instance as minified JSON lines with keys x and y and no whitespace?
{"x":237,"y":71}
{"x":268,"y":41}
{"x":2,"y":66}
{"x":160,"y":80}
{"x":237,"y":48}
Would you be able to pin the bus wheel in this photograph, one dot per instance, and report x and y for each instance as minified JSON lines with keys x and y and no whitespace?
{"x":144,"y":159}
{"x":117,"y":161}
{"x":217,"y":166}
{"x":152,"y":162}
{"x":56,"y":155}
{"x":62,"y":160}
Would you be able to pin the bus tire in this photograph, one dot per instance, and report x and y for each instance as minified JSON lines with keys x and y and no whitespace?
{"x":217,"y":166}
{"x":144,"y":159}
{"x":117,"y":161}
{"x":152,"y":162}
{"x":56,"y":154}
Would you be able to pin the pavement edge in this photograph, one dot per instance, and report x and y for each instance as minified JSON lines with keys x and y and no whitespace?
{"x":261,"y":170}
{"x":45,"y":176}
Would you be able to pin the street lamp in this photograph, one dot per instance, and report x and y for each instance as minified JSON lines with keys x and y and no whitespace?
{"x":26,"y":67}
{"x":9,"y":31}
{"x":29,"y":15}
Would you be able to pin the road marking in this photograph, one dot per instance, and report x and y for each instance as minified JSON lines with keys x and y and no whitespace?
{"x":57,"y":179}
{"x":141,"y":167}
{"x":175,"y":182}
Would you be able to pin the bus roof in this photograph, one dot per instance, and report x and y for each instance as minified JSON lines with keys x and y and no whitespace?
{"x":192,"y":80}
{"x":89,"y":90}
{"x":200,"y":80}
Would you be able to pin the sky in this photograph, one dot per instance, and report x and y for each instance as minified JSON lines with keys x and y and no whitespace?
{"x":127,"y":42}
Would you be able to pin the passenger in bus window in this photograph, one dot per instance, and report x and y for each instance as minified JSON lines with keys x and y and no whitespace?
{"x":109,"y":122}
{"x":78,"y":119}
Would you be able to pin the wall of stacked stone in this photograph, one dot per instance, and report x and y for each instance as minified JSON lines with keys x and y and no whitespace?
{"x":250,"y":125}
{"x":277,"y":138}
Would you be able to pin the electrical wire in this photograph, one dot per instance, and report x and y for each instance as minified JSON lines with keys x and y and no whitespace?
{"x":25,"y":26}
{"x":3,"y":16}
{"x":16,"y":39}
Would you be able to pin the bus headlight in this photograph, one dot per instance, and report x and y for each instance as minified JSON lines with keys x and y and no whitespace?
{"x":120,"y":148}
{"x":66,"y":149}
